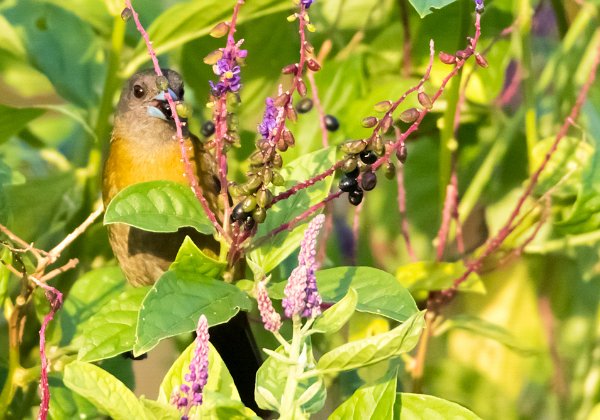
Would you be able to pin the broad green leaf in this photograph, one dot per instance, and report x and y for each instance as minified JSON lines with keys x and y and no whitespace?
{"x":13,"y":120}
{"x":66,"y":404}
{"x":334,"y":318}
{"x":88,"y":296}
{"x":424,"y":7}
{"x":373,"y":401}
{"x":177,"y":300}
{"x":73,"y":64}
{"x":271,"y":379}
{"x":374,"y":349}
{"x":158,"y":410}
{"x":488,"y":329}
{"x":194,"y":20}
{"x":158,"y":206}
{"x":564,"y":171}
{"x":378,"y":292}
{"x":430,"y":275}
{"x":111,"y":330}
{"x":192,"y":260}
{"x":275,"y":250}
{"x":419,"y":406}
{"x":219,"y":378}
{"x":103,"y":390}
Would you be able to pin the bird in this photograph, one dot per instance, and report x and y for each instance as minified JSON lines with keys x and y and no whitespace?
{"x":144,"y":147}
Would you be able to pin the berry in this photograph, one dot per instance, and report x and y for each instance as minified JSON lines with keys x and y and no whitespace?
{"x":238,"y":214}
{"x":402,"y":153}
{"x":355,"y":196}
{"x":331,"y":123}
{"x":348,"y":184}
{"x":259,"y":214}
{"x":208,"y":128}
{"x":304,"y":105}
{"x":369,"y":157}
{"x":353,"y":173}
{"x":368,"y":181}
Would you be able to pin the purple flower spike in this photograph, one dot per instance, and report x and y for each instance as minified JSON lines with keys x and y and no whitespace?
{"x":306,"y":3}
{"x":479,"y":6}
{"x":269,"y":121}
{"x":301,"y":294}
{"x":187,"y":396}
{"x":270,"y":318}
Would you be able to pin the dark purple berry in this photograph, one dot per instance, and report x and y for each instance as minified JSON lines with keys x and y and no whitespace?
{"x":331,"y":123}
{"x":348,"y":184}
{"x":355,"y":196}
{"x":369,"y":157}
{"x":304,"y":105}
{"x":238,"y":214}
{"x":249,"y":222}
{"x":208,"y":129}
{"x":353,"y":173}
{"x":368,"y":181}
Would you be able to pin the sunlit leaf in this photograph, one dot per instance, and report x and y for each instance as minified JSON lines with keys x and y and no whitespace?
{"x":425,"y":7}
{"x":13,"y":120}
{"x":158,"y":206}
{"x":192,"y":260}
{"x":430,"y":275}
{"x":111,"y":330}
{"x":275,"y":250}
{"x":103,"y":390}
{"x":335,"y":317}
{"x":372,"y":401}
{"x":420,"y":406}
{"x":374,"y":349}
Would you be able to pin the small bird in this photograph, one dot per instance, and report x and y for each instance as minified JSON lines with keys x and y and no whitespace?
{"x":144,"y":148}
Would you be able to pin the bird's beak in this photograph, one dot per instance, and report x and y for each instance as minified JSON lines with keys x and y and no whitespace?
{"x":159,"y":107}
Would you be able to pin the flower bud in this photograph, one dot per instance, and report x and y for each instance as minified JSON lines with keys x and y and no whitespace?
{"x":126,"y":14}
{"x":389,"y":170}
{"x":288,"y":137}
{"x":282,"y":146}
{"x":370,"y":122}
{"x":301,"y":87}
{"x":264,"y":197}
{"x":278,"y":179}
{"x":383,"y":106}
{"x":410,"y":115}
{"x":213,"y":57}
{"x":313,"y":65}
{"x":259,"y":214}
{"x":402,"y":153}
{"x":162,"y":83}
{"x":220,"y":30}
{"x":354,"y":146}
{"x":311,"y":27}
{"x":257,"y":158}
{"x":184,"y":110}
{"x":349,"y":165}
{"x":252,"y":184}
{"x":277,"y":161}
{"x":249,"y":204}
{"x":425,"y":100}
{"x":267,"y":176}
{"x":281,"y":100}
{"x":290,"y":69}
{"x":291,"y":114}
{"x":447,"y":58}
{"x":386,"y":123}
{"x":481,"y":60}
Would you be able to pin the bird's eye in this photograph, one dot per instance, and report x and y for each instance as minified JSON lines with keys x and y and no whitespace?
{"x":138,"y":91}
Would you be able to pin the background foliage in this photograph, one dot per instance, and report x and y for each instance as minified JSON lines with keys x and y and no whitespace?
{"x":523,"y":339}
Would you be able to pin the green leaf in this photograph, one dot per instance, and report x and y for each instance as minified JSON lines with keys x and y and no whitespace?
{"x":490,"y":330}
{"x":111,"y":330}
{"x":430,"y":275}
{"x":103,"y":390}
{"x":13,"y":120}
{"x":190,"y":259}
{"x":373,"y":401}
{"x":272,"y":377}
{"x":424,"y":7}
{"x":177,"y":300}
{"x":90,"y":293}
{"x":71,"y":63}
{"x":271,"y":254}
{"x":219,"y":378}
{"x":66,"y":404}
{"x":5,"y":258}
{"x":194,"y":20}
{"x":378,"y":292}
{"x":158,"y":206}
{"x":334,"y":318}
{"x":159,"y":411}
{"x":419,"y":406}
{"x":374,"y":349}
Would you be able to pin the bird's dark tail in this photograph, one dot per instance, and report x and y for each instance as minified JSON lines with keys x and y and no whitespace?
{"x":235,"y":343}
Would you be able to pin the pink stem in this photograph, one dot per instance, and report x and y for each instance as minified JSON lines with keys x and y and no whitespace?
{"x":402,"y":209}
{"x":495,"y":242}
{"x":189,"y":171}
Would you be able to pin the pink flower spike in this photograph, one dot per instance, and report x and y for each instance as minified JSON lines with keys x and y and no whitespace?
{"x":301,"y":294}
{"x":270,"y":318}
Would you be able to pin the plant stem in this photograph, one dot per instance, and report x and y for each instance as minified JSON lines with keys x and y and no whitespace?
{"x":288,"y":409}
